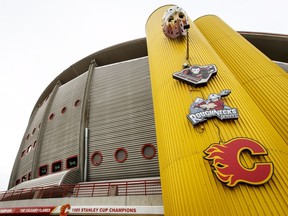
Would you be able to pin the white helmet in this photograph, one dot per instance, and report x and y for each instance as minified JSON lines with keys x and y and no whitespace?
{"x":175,"y":22}
{"x":195,"y":69}
{"x":214,"y":97}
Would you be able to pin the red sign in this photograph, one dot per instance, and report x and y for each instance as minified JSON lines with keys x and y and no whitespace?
{"x":27,"y":210}
{"x":228,"y":167}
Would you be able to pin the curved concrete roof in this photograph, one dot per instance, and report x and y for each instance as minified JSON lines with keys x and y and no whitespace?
{"x":272,"y":45}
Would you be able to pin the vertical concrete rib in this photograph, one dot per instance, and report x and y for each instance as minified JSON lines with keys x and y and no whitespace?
{"x":36,"y":160}
{"x":84,"y":123}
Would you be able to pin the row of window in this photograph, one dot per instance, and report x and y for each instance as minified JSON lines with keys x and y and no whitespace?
{"x":64,"y":110}
{"x":24,"y":178}
{"x":51,"y":116}
{"x":148,"y":151}
{"x":56,"y":166}
{"x":28,"y":149}
{"x":33,"y":132}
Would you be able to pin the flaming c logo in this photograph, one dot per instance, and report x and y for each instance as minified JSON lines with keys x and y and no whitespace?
{"x":227,"y":165}
{"x":63,"y":209}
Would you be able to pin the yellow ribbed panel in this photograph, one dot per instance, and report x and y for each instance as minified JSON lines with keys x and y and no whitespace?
{"x":264,"y":81}
{"x":189,"y":186}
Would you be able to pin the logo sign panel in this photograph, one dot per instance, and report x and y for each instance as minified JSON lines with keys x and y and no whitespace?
{"x":228,"y":167}
{"x":196,"y":75}
{"x":201,"y":110}
{"x":67,"y":210}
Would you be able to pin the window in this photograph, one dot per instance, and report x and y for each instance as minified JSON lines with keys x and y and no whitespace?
{"x":77,"y":103}
{"x":23,"y":153}
{"x":29,"y":149}
{"x":52,"y":115}
{"x":23,"y":178}
{"x":120,"y":155}
{"x":148,"y":151}
{"x":96,"y":158}
{"x":29,"y":176}
{"x":57,"y":166}
{"x":17,"y":181}
{"x":64,"y":109}
{"x":43,"y":170}
{"x":34,"y":144}
{"x":71,"y":162}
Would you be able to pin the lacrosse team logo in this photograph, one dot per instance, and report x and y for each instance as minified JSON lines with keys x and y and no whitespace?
{"x":201,"y":109}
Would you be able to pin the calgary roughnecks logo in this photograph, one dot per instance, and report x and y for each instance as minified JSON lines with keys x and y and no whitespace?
{"x":229,"y":169}
{"x":201,"y":110}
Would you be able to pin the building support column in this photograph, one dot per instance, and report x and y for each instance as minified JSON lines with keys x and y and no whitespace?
{"x":83,"y":139}
{"x":189,"y":185}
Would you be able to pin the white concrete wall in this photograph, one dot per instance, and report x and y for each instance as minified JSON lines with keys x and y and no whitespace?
{"x":151,"y":200}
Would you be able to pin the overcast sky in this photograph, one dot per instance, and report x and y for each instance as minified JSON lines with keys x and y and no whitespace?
{"x":41,"y":38}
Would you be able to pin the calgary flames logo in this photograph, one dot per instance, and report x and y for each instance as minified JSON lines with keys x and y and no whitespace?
{"x":228,"y":167}
{"x":63,"y":209}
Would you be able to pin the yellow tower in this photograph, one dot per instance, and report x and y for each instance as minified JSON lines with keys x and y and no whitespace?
{"x":248,"y":146}
{"x":268,"y":87}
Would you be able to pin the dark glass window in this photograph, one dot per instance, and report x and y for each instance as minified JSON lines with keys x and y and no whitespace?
{"x":148,"y":151}
{"x":29,"y":148}
{"x":120,"y":155}
{"x":97,"y":158}
{"x":64,"y":109}
{"x":77,"y":103}
{"x":52,"y":115}
{"x":23,"y":153}
{"x":23,"y":178}
{"x":17,"y":181}
{"x":72,"y":162}
{"x":43,"y":170}
{"x":57,"y":166}
{"x":29,"y":176}
{"x":34,"y":144}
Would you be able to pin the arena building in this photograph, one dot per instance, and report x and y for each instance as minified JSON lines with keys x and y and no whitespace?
{"x":112,"y":134}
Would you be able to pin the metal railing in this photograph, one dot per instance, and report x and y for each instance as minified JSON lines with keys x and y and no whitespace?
{"x":88,"y":189}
